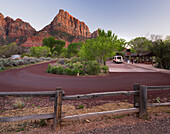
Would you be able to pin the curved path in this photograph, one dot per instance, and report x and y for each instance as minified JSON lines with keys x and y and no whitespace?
{"x":35,"y":78}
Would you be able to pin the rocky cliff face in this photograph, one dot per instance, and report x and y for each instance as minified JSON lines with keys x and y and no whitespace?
{"x":64,"y":27}
{"x":2,"y":26}
{"x":66,"y":23}
{"x":14,"y":31}
{"x":18,"y":28}
{"x":36,"y":40}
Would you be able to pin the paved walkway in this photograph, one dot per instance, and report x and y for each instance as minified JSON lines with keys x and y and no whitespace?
{"x":124,"y":67}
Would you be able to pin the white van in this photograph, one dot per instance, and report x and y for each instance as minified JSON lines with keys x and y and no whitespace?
{"x":118,"y":59}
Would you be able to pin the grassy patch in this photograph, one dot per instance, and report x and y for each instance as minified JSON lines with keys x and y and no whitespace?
{"x":119,"y":117}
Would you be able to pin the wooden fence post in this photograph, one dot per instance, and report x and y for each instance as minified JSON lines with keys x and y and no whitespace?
{"x":57,"y":109}
{"x":136,"y":87}
{"x":143,"y":101}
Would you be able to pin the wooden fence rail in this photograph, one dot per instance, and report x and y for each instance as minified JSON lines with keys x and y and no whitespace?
{"x":140,"y":104}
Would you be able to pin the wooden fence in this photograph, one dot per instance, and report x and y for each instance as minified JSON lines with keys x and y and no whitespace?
{"x":140,"y":104}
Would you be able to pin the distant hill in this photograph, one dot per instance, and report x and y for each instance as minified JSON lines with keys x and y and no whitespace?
{"x":64,"y":27}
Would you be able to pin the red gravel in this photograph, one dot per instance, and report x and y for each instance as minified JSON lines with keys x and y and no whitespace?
{"x":35,"y":78}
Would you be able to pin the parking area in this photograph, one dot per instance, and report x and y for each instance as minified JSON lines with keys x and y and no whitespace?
{"x":125,"y":67}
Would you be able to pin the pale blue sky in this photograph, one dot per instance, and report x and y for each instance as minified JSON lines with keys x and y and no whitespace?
{"x":126,"y":18}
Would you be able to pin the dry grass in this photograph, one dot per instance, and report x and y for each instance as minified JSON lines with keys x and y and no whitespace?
{"x":67,"y":109}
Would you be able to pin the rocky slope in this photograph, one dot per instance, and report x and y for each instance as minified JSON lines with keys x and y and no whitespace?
{"x":36,"y":40}
{"x":64,"y":27}
{"x":14,"y":30}
{"x":66,"y":23}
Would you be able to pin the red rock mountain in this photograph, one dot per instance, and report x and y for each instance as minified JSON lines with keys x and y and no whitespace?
{"x":36,"y":40}
{"x":66,"y":23}
{"x":64,"y":27}
{"x":2,"y":26}
{"x":18,"y":28}
{"x":14,"y":31}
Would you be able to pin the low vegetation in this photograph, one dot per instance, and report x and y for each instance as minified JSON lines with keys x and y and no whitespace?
{"x":76,"y":67}
{"x":8,"y":62}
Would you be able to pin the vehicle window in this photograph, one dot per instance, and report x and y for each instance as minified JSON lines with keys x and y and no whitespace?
{"x":119,"y":58}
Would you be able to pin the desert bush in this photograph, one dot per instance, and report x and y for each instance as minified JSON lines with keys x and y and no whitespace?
{"x":8,"y":62}
{"x":19,"y":104}
{"x":11,"y":49}
{"x":92,"y":67}
{"x":105,"y":68}
{"x":68,"y":71}
{"x":74,"y":67}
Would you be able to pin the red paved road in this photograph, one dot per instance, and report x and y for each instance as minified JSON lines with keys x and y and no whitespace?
{"x":35,"y":78}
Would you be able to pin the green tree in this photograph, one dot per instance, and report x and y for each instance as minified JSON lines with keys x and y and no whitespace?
{"x":59,"y":46}
{"x":40,"y":51}
{"x":140,"y":44}
{"x":121,"y":46}
{"x":73,"y":48}
{"x":11,"y":49}
{"x":54,"y":45}
{"x":99,"y":48}
{"x":162,"y":51}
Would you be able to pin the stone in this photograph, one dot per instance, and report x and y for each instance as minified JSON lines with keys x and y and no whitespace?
{"x":66,"y":23}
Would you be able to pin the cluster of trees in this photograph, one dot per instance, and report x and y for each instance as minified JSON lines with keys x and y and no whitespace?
{"x":161,"y":48}
{"x":11,"y":49}
{"x":102,"y":47}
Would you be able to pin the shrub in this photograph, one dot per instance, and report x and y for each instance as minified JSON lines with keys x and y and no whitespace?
{"x":60,"y":70}
{"x":77,"y":65}
{"x":75,"y":72}
{"x":92,"y":67}
{"x":19,"y":104}
{"x":11,"y":49}
{"x":81,"y":107}
{"x":53,"y":70}
{"x":68,"y":71}
{"x":105,"y":68}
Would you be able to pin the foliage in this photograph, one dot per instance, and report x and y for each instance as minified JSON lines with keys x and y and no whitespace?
{"x":64,"y":53}
{"x":75,"y":67}
{"x":162,"y":51}
{"x":11,"y":49}
{"x":140,"y":44}
{"x":105,"y":68}
{"x":99,"y":48}
{"x":73,"y":48}
{"x":40,"y":51}
{"x":43,"y":122}
{"x":19,"y":104}
{"x":54,"y":45}
{"x":60,"y":34}
{"x":81,"y":107}
{"x":121,"y":45}
{"x":8,"y":62}
{"x":92,"y":67}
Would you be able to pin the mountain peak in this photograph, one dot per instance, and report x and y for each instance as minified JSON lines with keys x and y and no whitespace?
{"x":67,"y":23}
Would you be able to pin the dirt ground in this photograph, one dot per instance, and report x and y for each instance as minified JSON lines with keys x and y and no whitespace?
{"x":157,"y":122}
{"x":35,"y":78}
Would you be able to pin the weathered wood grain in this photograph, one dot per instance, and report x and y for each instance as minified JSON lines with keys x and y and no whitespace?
{"x":143,"y":101}
{"x":99,"y":114}
{"x":156,"y":88}
{"x":136,"y":87}
{"x":95,"y":95}
{"x":26,"y":117}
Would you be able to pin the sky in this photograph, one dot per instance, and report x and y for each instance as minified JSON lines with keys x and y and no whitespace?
{"x":126,"y":18}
